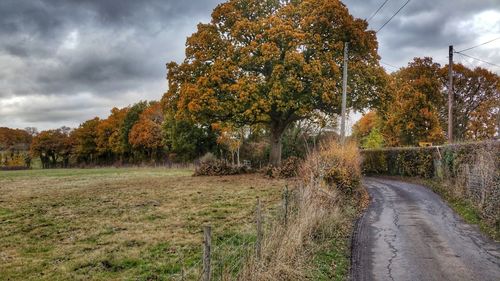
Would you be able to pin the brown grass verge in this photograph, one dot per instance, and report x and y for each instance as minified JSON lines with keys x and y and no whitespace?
{"x":325,"y":206}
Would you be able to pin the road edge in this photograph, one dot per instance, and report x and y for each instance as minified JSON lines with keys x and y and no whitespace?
{"x":354,"y":273}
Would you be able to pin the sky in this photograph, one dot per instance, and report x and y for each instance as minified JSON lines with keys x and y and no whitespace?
{"x":66,"y":61}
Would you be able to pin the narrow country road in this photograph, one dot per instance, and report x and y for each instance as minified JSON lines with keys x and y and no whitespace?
{"x":409,"y":233}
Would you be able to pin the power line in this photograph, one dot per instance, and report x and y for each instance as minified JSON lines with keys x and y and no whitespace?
{"x":402,"y":7}
{"x":479,"y":45}
{"x":478,"y":59}
{"x":390,"y":65}
{"x":378,"y":10}
{"x":463,"y":60}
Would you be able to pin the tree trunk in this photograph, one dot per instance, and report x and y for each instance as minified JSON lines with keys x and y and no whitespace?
{"x":275,"y":154}
{"x":238,"y":156}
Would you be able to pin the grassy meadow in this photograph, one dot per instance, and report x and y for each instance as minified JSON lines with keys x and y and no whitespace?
{"x":118,"y":224}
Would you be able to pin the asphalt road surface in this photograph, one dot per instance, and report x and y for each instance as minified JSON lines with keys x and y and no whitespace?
{"x":409,"y":233}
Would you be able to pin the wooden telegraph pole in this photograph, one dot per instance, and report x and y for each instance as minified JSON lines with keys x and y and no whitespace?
{"x":450,"y":96}
{"x":344,"y":95}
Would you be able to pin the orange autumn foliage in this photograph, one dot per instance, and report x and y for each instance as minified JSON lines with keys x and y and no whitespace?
{"x":147,"y":132}
{"x":109,"y":132}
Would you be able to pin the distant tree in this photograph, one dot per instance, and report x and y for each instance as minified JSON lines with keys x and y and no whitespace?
{"x":412,"y":118}
{"x":14,"y":147}
{"x":32,"y":131}
{"x":85,"y":141}
{"x":131,"y":118}
{"x":146,"y":134}
{"x":374,"y":139}
{"x":185,"y":140}
{"x":53,"y":147}
{"x":14,"y":139}
{"x":366,"y":124}
{"x":232,"y":138}
{"x":274,"y":62}
{"x":109,"y":141}
{"x":414,"y":112}
{"x":484,"y":121}
{"x":423,"y":74}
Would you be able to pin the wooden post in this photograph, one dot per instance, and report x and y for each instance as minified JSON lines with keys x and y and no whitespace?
{"x":286,"y":205}
{"x":207,"y":243}
{"x":258,"y":242}
{"x":450,"y":96}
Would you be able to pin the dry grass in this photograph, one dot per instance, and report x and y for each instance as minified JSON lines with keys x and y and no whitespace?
{"x":314,"y":244}
{"x":117,"y":224}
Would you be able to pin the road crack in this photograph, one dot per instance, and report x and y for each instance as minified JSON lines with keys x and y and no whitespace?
{"x":390,"y":240}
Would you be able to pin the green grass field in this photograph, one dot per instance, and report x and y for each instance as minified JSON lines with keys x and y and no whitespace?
{"x":118,"y":224}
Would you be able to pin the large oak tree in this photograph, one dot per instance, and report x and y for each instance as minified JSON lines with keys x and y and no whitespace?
{"x":274,"y":62}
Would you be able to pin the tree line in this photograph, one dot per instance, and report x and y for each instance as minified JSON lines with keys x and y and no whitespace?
{"x":144,"y":133}
{"x":131,"y":135}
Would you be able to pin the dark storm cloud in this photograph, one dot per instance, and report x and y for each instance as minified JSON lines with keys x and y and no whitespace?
{"x":63,"y":61}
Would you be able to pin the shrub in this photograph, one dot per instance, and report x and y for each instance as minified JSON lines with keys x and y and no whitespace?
{"x":288,"y":169}
{"x":338,"y":166}
{"x":219,"y":168}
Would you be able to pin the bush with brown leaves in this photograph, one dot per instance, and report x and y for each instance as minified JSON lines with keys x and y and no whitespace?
{"x":288,"y":169}
{"x":219,"y":168}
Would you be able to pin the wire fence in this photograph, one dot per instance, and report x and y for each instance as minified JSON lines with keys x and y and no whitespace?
{"x":224,"y":254}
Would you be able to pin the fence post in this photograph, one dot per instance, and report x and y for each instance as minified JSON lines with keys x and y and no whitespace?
{"x":286,"y":205}
{"x":259,"y":230}
{"x":207,"y":245}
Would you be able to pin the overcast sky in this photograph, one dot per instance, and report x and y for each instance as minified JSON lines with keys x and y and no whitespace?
{"x":65,"y":61}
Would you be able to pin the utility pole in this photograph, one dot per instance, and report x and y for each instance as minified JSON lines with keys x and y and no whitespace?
{"x":344,"y":95}
{"x":450,"y":96}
